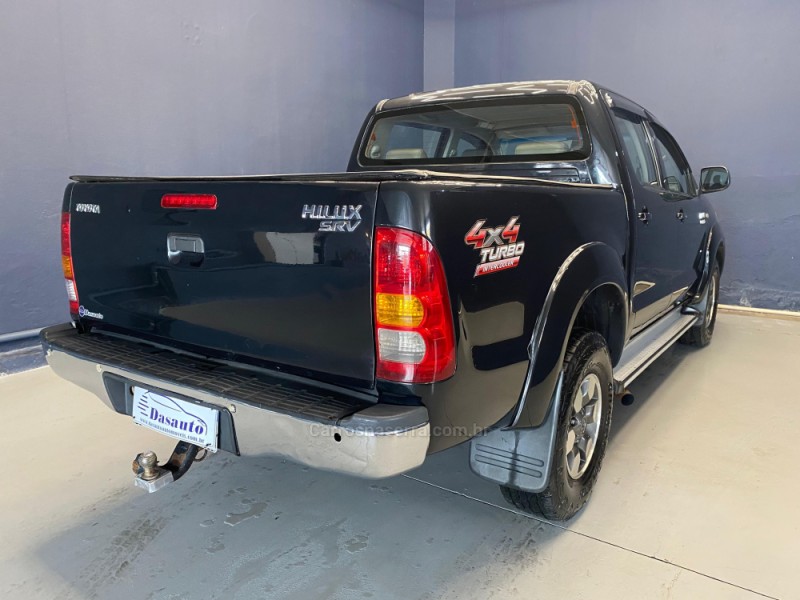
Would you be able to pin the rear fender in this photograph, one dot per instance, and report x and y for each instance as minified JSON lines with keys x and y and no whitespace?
{"x":590,"y":266}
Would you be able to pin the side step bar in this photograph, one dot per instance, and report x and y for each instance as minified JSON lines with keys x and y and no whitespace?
{"x":650,"y":344}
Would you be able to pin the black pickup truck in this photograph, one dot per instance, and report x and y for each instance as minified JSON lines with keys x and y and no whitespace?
{"x":498,"y":263}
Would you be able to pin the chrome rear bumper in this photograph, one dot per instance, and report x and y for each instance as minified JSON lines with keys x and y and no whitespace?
{"x":318,"y":428}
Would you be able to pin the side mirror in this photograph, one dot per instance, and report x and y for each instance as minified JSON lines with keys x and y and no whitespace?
{"x":714,"y":179}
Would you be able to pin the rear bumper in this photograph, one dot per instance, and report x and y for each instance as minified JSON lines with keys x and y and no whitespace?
{"x":323,"y":429}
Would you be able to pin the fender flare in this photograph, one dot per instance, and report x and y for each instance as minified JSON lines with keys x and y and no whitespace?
{"x":714,"y":240}
{"x":587,"y":268}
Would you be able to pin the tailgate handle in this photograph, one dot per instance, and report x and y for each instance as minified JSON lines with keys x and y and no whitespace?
{"x":185,"y":249}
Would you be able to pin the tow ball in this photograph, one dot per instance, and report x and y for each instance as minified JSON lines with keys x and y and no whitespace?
{"x":149,"y":476}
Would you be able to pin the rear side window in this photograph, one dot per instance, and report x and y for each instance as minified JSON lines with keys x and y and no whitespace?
{"x":637,"y":148}
{"x":498,"y":130}
{"x":676,"y":175}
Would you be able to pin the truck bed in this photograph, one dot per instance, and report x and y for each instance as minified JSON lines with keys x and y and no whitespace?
{"x":259,"y":279}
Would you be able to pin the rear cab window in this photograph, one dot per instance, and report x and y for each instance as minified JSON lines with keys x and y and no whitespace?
{"x":484,"y":131}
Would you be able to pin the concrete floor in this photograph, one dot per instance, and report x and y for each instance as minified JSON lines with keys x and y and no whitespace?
{"x":697,"y":499}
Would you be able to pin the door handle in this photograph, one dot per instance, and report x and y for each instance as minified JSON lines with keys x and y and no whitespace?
{"x":680,"y":215}
{"x":644,"y":215}
{"x":185,"y":249}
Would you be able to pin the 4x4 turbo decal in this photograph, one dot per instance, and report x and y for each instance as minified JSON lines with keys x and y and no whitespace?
{"x":498,"y":246}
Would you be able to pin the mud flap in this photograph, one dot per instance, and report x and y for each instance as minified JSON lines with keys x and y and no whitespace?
{"x":518,"y":458}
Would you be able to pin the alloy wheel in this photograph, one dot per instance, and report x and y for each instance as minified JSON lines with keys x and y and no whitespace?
{"x":584,"y":425}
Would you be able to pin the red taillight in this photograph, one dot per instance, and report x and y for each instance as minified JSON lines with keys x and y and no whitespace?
{"x":206,"y":201}
{"x":66,"y":264}
{"x":413,"y":321}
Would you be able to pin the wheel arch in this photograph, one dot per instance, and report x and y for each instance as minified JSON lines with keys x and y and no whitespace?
{"x":719,"y":255}
{"x":714,"y":254}
{"x":604,"y":310}
{"x":589,"y":290}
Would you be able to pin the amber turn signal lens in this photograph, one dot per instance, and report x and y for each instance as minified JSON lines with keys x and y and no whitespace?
{"x":399,"y":310}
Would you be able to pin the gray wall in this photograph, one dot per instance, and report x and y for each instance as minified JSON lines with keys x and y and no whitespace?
{"x":255,"y":86}
{"x":722,"y":75}
{"x":440,"y":26}
{"x":179,"y":87}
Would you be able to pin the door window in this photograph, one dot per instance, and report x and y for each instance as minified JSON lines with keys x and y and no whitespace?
{"x":676,"y":175}
{"x":634,"y":142}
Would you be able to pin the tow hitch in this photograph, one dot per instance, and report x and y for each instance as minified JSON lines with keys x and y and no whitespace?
{"x":149,"y":476}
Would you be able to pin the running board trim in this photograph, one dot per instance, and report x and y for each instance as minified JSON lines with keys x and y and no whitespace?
{"x":644,"y":348}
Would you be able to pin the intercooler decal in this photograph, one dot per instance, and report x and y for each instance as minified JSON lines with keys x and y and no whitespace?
{"x":498,"y":246}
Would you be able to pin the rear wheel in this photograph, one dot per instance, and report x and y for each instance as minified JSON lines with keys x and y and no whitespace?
{"x":700,"y":334}
{"x":583,"y":426}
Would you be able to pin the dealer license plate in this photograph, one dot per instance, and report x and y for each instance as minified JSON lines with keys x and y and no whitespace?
{"x":176,"y":418}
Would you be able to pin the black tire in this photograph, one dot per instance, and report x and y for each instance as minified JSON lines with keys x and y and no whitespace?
{"x":700,"y":335}
{"x":565,"y":495}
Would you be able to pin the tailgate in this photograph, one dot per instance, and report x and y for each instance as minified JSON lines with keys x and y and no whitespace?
{"x":278,"y":273}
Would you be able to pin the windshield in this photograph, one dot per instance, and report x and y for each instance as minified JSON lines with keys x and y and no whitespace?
{"x":499,"y":130}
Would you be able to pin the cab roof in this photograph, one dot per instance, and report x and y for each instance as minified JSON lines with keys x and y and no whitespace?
{"x":492,"y":90}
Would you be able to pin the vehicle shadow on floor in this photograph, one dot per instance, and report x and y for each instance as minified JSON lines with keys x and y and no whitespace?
{"x":264,"y":528}
{"x":647,"y":385}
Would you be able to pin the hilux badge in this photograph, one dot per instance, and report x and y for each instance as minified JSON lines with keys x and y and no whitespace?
{"x":340,"y":217}
{"x":498,"y":246}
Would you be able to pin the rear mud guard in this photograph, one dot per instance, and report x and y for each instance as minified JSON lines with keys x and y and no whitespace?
{"x":518,"y":458}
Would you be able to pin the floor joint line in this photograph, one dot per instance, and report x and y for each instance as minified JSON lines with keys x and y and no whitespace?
{"x":590,"y":537}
